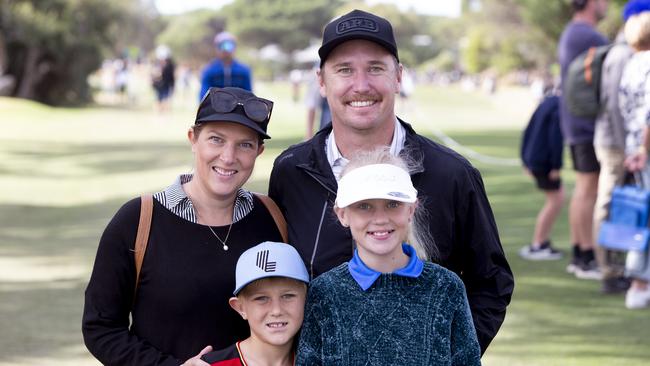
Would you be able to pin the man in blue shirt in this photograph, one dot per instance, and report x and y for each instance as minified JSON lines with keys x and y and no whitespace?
{"x":225,"y":70}
{"x":578,"y":36}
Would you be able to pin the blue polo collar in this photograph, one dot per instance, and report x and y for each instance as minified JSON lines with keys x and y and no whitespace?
{"x":366,"y":276}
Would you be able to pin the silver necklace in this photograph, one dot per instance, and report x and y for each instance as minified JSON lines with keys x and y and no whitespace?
{"x":225,"y":247}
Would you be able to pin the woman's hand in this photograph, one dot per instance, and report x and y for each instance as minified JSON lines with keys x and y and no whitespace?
{"x":636,"y":161}
{"x":196,"y":360}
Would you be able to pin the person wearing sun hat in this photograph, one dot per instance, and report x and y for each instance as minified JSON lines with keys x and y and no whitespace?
{"x":360,"y":74}
{"x":270,"y":289}
{"x":387,"y":305}
{"x":200,"y":225}
{"x":226,"y":70}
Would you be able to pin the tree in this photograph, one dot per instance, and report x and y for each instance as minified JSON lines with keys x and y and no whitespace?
{"x":474,"y":50}
{"x":291,"y":24}
{"x":516,"y":34}
{"x":191,"y":35}
{"x":415,"y":33}
{"x":53,"y":45}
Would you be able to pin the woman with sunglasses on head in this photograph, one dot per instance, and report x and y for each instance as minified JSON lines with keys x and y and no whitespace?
{"x":387,"y":305}
{"x":200,"y":226}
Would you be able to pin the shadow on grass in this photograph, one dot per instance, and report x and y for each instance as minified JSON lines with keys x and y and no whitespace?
{"x":47,"y":256}
{"x":41,"y":319}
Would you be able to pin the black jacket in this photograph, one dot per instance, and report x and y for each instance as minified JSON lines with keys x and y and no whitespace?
{"x":461,"y":220}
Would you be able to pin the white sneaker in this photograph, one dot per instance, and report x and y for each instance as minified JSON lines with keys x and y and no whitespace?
{"x":545,"y":252}
{"x":637,"y":299}
{"x":588,"y":273}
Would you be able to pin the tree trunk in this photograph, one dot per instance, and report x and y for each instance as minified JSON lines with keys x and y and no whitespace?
{"x":30,"y":75}
{"x":3,"y":55}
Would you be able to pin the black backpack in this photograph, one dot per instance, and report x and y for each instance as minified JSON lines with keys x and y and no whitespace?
{"x":581,"y":87}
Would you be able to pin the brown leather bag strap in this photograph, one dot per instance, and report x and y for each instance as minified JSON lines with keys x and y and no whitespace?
{"x":142,"y":238}
{"x":280,"y":222}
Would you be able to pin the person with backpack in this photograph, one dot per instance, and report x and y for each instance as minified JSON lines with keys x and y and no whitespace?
{"x":541,"y":154}
{"x":578,"y":36}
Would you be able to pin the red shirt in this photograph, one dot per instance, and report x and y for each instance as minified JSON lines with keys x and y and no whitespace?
{"x":231,"y":356}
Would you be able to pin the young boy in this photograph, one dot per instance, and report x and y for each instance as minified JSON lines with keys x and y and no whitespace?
{"x":541,"y":154}
{"x":270,"y":291}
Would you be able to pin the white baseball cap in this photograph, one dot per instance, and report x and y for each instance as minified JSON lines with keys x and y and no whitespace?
{"x":269,"y":259}
{"x":376,"y":181}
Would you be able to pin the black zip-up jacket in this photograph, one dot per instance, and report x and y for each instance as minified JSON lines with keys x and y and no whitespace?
{"x":461,"y":221}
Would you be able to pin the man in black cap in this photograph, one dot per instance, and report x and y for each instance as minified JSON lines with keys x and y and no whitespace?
{"x":361,"y":75}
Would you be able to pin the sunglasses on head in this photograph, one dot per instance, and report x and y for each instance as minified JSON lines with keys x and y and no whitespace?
{"x":257,"y":109}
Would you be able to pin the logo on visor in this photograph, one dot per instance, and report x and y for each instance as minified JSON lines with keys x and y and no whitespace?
{"x":398,"y":195}
{"x":357,"y":24}
{"x":263,"y":261}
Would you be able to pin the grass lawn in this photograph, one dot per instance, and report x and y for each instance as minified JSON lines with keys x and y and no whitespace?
{"x":64,"y":172}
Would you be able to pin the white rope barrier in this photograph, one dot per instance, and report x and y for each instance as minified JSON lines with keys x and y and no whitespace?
{"x":467,"y":152}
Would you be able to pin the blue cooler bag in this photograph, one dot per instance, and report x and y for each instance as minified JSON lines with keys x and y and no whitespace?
{"x":627,"y":225}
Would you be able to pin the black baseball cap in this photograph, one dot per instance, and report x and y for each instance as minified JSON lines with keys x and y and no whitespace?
{"x":357,"y":24}
{"x":235,"y":105}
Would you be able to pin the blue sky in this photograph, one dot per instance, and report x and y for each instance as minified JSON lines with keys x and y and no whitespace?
{"x":432,"y":7}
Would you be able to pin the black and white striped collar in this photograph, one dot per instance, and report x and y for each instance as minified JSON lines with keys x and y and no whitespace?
{"x":176,"y":200}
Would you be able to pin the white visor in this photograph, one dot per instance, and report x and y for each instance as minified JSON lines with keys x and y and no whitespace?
{"x":376,"y":181}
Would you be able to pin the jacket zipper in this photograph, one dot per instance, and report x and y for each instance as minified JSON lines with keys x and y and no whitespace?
{"x":320,"y":223}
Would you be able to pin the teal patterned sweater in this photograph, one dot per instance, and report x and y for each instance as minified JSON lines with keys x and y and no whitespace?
{"x":397,"y":321}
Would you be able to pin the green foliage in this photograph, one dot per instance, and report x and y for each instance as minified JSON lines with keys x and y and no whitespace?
{"x":190,"y":36}
{"x":611,"y":25}
{"x":445,"y":62}
{"x":475,"y":52}
{"x":524,"y":33}
{"x":52,"y":46}
{"x":289,"y":23}
{"x":544,"y":21}
{"x":509,"y":57}
{"x":409,"y":26}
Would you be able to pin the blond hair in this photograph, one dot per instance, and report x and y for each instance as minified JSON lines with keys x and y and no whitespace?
{"x":417,"y":234}
{"x":637,"y":31}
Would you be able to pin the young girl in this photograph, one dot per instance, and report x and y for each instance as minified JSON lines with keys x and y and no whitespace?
{"x":386,"y":306}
